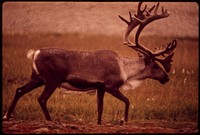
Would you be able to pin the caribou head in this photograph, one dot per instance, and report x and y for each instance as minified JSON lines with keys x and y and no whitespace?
{"x":142,"y":19}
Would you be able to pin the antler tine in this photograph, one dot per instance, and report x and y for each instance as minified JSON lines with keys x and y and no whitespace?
{"x":140,"y":12}
{"x":132,"y":24}
{"x":156,"y":9}
{"x":127,"y":22}
{"x":169,"y":49}
{"x":152,"y":8}
{"x":149,"y":12}
{"x":130,"y":15}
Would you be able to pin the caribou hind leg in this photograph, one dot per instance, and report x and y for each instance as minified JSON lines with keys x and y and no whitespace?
{"x":35,"y":82}
{"x":50,"y":86}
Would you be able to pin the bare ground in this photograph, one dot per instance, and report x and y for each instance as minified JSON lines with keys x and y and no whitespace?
{"x":51,"y":127}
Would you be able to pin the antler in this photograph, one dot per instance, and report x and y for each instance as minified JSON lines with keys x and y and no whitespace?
{"x":133,"y":23}
{"x":143,"y":18}
{"x":167,"y":61}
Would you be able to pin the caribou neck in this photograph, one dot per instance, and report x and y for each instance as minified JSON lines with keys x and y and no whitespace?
{"x":134,"y":69}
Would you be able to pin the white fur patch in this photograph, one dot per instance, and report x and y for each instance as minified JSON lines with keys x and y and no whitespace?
{"x":123,"y":73}
{"x":130,"y":85}
{"x":5,"y":116}
{"x":34,"y":58}
{"x":30,"y":54}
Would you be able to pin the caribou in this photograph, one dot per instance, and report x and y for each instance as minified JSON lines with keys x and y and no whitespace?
{"x":103,"y":70}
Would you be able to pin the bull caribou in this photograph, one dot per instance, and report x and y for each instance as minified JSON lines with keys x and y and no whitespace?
{"x":103,"y":70}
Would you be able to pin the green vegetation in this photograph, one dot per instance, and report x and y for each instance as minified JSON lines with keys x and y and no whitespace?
{"x":175,"y":101}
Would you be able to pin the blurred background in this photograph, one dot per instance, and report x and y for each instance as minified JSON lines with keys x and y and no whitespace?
{"x":96,"y":18}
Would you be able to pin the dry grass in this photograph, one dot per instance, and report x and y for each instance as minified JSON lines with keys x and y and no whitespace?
{"x":177,"y":100}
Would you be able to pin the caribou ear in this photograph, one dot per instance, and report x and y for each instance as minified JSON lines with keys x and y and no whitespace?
{"x":147,"y":60}
{"x":146,"y":57}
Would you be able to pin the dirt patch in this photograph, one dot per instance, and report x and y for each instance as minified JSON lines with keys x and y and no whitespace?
{"x":52,"y":127}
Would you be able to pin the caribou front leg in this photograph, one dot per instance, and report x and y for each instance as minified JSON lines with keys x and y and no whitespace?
{"x":100,"y":96}
{"x":116,"y":93}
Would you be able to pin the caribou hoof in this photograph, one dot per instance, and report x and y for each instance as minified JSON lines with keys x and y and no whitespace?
{"x":123,"y":122}
{"x":5,"y":118}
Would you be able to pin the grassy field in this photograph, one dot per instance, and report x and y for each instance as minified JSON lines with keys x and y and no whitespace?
{"x":175,"y":101}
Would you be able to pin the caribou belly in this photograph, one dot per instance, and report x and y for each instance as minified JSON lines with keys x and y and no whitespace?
{"x":68,"y":86}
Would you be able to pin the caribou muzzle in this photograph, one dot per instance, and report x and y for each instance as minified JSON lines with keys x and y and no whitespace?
{"x":164,"y":80}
